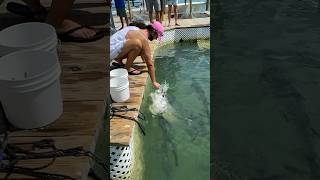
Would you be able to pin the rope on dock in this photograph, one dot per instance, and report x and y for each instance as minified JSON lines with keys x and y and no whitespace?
{"x":125,"y":109}
{"x":11,"y":154}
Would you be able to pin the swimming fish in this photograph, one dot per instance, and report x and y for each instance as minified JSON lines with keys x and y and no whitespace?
{"x":171,"y":146}
{"x":160,"y":105}
{"x":201,"y":95}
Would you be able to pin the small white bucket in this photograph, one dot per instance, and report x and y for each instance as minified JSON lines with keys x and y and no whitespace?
{"x":31,"y":35}
{"x":119,"y":89}
{"x":30,"y":88}
{"x":119,"y":72}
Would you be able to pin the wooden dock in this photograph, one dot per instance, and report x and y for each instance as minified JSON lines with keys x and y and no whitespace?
{"x":84,"y":82}
{"x":120,"y":128}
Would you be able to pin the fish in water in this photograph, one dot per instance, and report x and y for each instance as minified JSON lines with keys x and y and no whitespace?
{"x":159,"y":100}
{"x":160,"y":105}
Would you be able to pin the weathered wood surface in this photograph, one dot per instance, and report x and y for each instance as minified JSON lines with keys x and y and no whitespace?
{"x":120,"y":128}
{"x":85,"y":84}
{"x":84,"y":75}
{"x":78,"y":118}
{"x":75,"y":167}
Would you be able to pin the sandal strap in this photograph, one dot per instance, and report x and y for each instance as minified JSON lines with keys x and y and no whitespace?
{"x":66,"y":37}
{"x":73,"y":30}
{"x":134,"y":70}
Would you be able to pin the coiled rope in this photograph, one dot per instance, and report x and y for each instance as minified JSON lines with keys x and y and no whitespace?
{"x":11,"y":154}
{"x":124,"y":109}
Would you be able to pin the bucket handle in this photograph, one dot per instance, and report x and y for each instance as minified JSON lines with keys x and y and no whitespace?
{"x":55,"y":78}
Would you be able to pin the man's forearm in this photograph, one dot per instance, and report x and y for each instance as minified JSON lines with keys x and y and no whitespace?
{"x":152,"y":72}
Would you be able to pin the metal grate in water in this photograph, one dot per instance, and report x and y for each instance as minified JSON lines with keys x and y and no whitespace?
{"x":189,"y":33}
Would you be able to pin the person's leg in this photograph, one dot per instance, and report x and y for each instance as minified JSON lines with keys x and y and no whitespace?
{"x":161,"y":16}
{"x":57,"y":18}
{"x":151,"y":16}
{"x":157,"y":8}
{"x":132,"y":55}
{"x":149,"y":4}
{"x":158,"y":16}
{"x":175,"y":14}
{"x":58,"y":12}
{"x":127,"y":21}
{"x":122,"y":24}
{"x":163,"y":9}
{"x":169,"y":13}
{"x":131,"y":49}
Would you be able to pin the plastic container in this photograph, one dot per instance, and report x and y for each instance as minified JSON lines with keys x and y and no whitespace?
{"x":30,"y":88}
{"x":119,"y":89}
{"x":119,"y":72}
{"x":31,"y":35}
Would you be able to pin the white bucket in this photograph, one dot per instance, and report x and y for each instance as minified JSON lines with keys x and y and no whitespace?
{"x":119,"y":89}
{"x":31,"y":35}
{"x":30,"y":88}
{"x":119,"y":72}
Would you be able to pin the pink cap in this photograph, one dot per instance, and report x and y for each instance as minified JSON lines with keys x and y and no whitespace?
{"x":159,"y":28}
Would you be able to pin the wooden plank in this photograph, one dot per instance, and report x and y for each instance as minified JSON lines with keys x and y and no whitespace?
{"x":78,"y":118}
{"x":85,"y":86}
{"x":84,"y":75}
{"x":120,"y":128}
{"x":76,"y":167}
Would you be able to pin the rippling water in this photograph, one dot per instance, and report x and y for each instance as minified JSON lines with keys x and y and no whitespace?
{"x":176,"y":145}
{"x":266,"y":100}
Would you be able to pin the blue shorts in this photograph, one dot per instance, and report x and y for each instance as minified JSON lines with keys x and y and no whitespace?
{"x":172,"y":2}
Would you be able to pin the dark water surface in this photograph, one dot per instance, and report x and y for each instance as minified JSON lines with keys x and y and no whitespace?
{"x":266,"y":90}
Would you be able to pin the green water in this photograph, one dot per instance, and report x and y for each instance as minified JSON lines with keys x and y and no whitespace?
{"x":176,"y":145}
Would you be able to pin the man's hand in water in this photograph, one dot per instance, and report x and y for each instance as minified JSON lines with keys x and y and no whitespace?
{"x":156,"y":85}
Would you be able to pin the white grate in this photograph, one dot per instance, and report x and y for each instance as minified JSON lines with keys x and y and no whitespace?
{"x":120,"y":162}
{"x":190,"y":33}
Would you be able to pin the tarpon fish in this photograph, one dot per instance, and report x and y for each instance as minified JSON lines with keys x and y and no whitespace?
{"x":160,"y":105}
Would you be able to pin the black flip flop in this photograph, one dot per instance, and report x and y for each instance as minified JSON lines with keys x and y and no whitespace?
{"x":66,"y":37}
{"x":131,"y":72}
{"x":118,"y":65}
{"x":115,"y":65}
{"x":25,"y":10}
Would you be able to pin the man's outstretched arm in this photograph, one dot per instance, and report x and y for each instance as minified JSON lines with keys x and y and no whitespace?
{"x":146,"y":56}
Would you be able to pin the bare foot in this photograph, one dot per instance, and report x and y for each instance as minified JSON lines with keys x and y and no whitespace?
{"x":177,"y":24}
{"x":80,"y":33}
{"x":133,"y":71}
